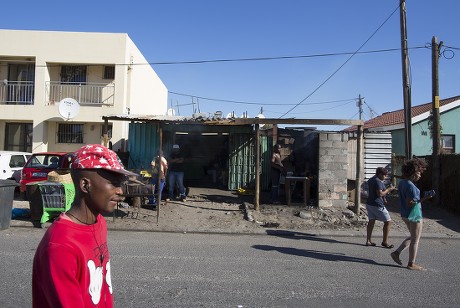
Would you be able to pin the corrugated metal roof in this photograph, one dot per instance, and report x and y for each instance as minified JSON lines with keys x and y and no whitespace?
{"x":397,"y":117}
{"x":209,"y":119}
{"x":199,"y":118}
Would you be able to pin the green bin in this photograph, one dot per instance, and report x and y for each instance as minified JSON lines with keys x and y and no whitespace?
{"x":6,"y":202}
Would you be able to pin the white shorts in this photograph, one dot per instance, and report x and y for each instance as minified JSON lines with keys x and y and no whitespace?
{"x":378,"y":213}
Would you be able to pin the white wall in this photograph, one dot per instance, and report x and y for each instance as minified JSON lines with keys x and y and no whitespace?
{"x":148,"y":94}
{"x":139,"y":88}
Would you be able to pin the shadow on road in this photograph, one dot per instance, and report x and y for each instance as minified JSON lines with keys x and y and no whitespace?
{"x":294,"y":235}
{"x":320,"y":255}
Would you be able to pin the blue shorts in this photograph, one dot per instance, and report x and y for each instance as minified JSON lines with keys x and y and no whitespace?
{"x":378,"y":213}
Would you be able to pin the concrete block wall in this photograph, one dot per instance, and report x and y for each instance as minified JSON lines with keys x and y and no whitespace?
{"x":332,"y":169}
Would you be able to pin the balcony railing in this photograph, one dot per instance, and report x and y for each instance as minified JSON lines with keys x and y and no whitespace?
{"x":84,"y":93}
{"x":17,"y":92}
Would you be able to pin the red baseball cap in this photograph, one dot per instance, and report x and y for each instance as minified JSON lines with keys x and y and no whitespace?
{"x":96,"y":156}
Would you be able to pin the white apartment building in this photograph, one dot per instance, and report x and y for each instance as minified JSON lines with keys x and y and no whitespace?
{"x":42,"y":71}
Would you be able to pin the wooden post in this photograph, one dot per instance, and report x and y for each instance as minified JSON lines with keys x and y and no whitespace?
{"x":275,"y":134}
{"x":406,"y":81}
{"x":256,"y":197}
{"x":159,"y":171}
{"x":359,"y":147}
{"x":436,"y":127}
{"x":106,"y":132}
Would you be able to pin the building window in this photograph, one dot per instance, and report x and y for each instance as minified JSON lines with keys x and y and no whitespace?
{"x":448,"y":143}
{"x":73,"y":74}
{"x":20,"y":84}
{"x":109,"y":72}
{"x":70,"y":133}
{"x":18,"y":137}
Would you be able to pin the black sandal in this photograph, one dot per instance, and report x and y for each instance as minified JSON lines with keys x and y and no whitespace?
{"x":388,"y":246}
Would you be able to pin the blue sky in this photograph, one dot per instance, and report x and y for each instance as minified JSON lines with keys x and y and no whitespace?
{"x":194,"y":30}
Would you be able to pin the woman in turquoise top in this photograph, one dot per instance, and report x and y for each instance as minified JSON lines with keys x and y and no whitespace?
{"x":409,"y":197}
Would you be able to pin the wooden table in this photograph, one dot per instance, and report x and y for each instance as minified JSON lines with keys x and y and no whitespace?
{"x":306,"y":188}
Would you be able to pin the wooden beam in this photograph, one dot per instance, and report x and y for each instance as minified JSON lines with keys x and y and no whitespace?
{"x":257,"y":193}
{"x":238,"y":121}
{"x":106,"y":132}
{"x":359,"y":149}
{"x":248,"y":121}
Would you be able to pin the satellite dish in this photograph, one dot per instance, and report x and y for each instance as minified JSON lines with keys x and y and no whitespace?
{"x":171,"y":112}
{"x":68,"y":108}
{"x":261,"y":116}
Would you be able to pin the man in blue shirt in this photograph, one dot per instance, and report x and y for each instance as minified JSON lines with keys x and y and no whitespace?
{"x":375,"y":206}
{"x":176,"y":173}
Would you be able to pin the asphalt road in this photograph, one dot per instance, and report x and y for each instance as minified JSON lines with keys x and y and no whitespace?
{"x":151,"y":269}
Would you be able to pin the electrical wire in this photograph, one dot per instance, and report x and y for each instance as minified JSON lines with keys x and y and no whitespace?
{"x":248,"y":59}
{"x":371,"y":109}
{"x":279,"y":57}
{"x":316,"y":110}
{"x":352,"y":117}
{"x":331,"y":107}
{"x":451,"y":47}
{"x":341,"y":66}
{"x":254,"y":103}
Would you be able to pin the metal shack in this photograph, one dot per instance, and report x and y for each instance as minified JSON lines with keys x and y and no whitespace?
{"x":230,"y":153}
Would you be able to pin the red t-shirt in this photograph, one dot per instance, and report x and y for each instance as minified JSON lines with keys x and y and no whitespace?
{"x":72,"y":266}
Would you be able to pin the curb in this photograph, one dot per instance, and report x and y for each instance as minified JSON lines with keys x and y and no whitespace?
{"x":267,"y":231}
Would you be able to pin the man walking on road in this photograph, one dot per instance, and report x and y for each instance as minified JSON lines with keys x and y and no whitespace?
{"x":375,"y":206}
{"x":71,"y":267}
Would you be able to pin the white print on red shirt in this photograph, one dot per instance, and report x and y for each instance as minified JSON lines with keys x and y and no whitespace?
{"x":96,"y":280}
{"x":95,"y":283}
{"x":108,"y":276}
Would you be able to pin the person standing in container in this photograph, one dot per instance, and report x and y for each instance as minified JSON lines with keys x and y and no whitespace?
{"x":277,"y":169}
{"x":159,"y":171}
{"x":176,"y":173}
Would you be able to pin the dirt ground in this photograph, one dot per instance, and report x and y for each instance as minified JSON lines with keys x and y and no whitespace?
{"x":221,"y":211}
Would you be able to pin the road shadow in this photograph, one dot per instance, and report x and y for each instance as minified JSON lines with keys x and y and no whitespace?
{"x":294,"y":235}
{"x":319,"y":255}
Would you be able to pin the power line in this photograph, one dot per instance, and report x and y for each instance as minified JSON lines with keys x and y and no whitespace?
{"x":282,"y":57}
{"x":318,"y":110}
{"x":252,"y":59}
{"x":352,"y":117}
{"x":340,"y":67}
{"x":254,"y":103}
{"x":371,"y":109}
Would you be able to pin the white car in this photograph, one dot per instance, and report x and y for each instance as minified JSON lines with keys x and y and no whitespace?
{"x":11,"y":164}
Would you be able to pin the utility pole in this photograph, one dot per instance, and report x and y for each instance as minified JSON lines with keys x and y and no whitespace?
{"x":359,"y":149}
{"x":359,"y":142}
{"x":436,"y":127}
{"x":405,"y":80}
{"x":360,"y":106}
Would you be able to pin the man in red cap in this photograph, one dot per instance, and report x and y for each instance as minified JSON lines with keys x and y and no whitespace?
{"x":375,"y":206}
{"x":72,"y":263}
